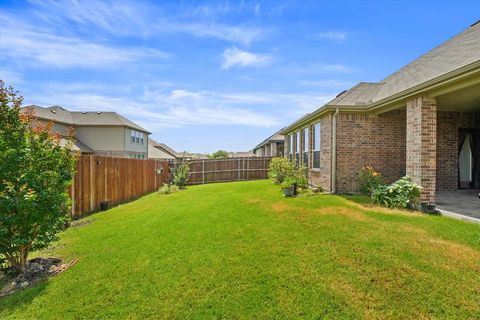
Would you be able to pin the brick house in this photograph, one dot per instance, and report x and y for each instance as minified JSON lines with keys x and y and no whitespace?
{"x":273,"y":146}
{"x":423,"y":121}
{"x":97,"y":132}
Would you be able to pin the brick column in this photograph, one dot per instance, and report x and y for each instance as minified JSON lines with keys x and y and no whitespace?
{"x":273,"y":148}
{"x":422,"y":145}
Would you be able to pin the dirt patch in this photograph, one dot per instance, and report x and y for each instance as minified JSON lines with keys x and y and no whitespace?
{"x":348,"y":212}
{"x":37,"y":270}
{"x":380,"y":209}
{"x":458,"y":255}
{"x":80,"y":223}
{"x":282,"y":207}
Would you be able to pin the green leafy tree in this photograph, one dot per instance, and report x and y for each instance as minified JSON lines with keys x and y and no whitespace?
{"x":181,"y":174}
{"x":220,"y":154}
{"x":35,"y":172}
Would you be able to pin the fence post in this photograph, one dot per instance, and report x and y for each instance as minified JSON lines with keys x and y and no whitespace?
{"x":91,"y":183}
{"x":203,"y":171}
{"x":72,"y":192}
{"x":238,"y":169}
{"x":264,"y":171}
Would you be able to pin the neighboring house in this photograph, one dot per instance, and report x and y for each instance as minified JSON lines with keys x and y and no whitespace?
{"x":101,"y":133}
{"x":158,"y":151}
{"x":415,"y":121}
{"x":241,"y":154}
{"x":168,"y":151}
{"x":273,"y":146}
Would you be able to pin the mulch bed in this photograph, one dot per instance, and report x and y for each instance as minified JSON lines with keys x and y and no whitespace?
{"x":37,"y":269}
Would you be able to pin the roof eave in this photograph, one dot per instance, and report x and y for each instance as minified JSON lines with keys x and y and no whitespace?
{"x":445,"y":79}
{"x":393,"y":100}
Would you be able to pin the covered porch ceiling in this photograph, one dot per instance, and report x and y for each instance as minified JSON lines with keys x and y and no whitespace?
{"x":466,"y":99}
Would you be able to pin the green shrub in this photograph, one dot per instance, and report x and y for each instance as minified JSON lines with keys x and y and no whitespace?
{"x":168,"y":188}
{"x":369,"y":180}
{"x":298,"y":177}
{"x":220,"y":154}
{"x":35,"y":173}
{"x":279,"y":169}
{"x":399,"y":194}
{"x":181,"y":174}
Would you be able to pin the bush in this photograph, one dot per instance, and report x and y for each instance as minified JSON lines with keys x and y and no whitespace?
{"x":300,"y":177}
{"x":369,"y":180}
{"x":168,"y":188}
{"x":220,"y":154}
{"x":35,"y":172}
{"x":181,"y":174}
{"x":279,"y":169}
{"x":397,"y":195}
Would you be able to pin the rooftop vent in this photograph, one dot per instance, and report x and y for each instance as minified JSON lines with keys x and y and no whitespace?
{"x":53,"y":111}
{"x":99,"y":112}
{"x":338,"y":95}
{"x":475,"y":23}
{"x":84,"y":112}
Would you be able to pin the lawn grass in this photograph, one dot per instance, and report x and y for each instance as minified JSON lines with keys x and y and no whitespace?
{"x":242,"y":251}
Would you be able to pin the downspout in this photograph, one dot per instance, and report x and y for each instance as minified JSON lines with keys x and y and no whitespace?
{"x":333,"y":172}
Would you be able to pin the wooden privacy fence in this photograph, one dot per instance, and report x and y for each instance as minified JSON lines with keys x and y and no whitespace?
{"x":116,"y":180}
{"x":225,"y":170}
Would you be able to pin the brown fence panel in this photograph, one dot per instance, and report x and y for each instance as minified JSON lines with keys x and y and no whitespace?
{"x":117,"y":180}
{"x":226,"y":170}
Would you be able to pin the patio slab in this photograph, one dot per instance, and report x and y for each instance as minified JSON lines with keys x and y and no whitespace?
{"x":462,"y":202}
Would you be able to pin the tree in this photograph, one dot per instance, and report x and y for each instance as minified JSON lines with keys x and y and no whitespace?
{"x":35,"y":172}
{"x":220,"y":154}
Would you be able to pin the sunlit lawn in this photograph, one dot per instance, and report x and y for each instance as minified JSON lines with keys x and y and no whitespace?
{"x":242,"y":251}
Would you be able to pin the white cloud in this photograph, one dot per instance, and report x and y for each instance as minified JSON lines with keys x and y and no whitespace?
{"x":159,"y":108}
{"x":325,"y":83}
{"x":337,"y":36}
{"x":236,"y":57}
{"x":32,"y":45}
{"x":11,"y":77}
{"x":316,"y":68}
{"x":140,"y":19}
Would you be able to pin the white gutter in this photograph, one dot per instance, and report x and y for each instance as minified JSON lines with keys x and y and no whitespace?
{"x":333,"y":171}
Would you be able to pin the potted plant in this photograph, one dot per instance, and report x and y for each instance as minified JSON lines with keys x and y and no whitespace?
{"x":289,"y":186}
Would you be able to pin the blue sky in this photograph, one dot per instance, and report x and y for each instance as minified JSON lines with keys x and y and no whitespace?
{"x":209,"y":75}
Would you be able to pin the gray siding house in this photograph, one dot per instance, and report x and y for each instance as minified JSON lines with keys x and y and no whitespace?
{"x":101,"y":133}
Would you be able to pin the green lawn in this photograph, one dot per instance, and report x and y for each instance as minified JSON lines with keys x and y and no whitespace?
{"x":242,"y":251}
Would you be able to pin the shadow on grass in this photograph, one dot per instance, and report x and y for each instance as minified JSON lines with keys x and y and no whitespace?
{"x":21,"y":298}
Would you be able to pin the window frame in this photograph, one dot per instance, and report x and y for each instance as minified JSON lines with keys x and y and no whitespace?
{"x":316,"y":145}
{"x":306,"y":146}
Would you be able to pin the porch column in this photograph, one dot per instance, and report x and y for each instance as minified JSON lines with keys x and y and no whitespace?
{"x":422,"y":145}
{"x":273,"y":148}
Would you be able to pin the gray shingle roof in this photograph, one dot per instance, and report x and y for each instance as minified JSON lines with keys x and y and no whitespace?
{"x":460,"y":51}
{"x":78,"y":118}
{"x":168,"y":149}
{"x":360,"y":95}
{"x":276,"y":137}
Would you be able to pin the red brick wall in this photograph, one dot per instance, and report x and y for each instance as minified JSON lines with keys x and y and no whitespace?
{"x":321,"y":177}
{"x":366,"y":140}
{"x":449,"y":124}
{"x":422,"y":145}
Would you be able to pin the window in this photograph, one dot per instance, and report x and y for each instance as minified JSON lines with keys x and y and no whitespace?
{"x":290,"y":147}
{"x":297,"y":147}
{"x":136,"y":136}
{"x":305,"y":146}
{"x":316,"y":145}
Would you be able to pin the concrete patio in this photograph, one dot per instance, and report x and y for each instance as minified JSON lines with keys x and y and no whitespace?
{"x":463,"y":202}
